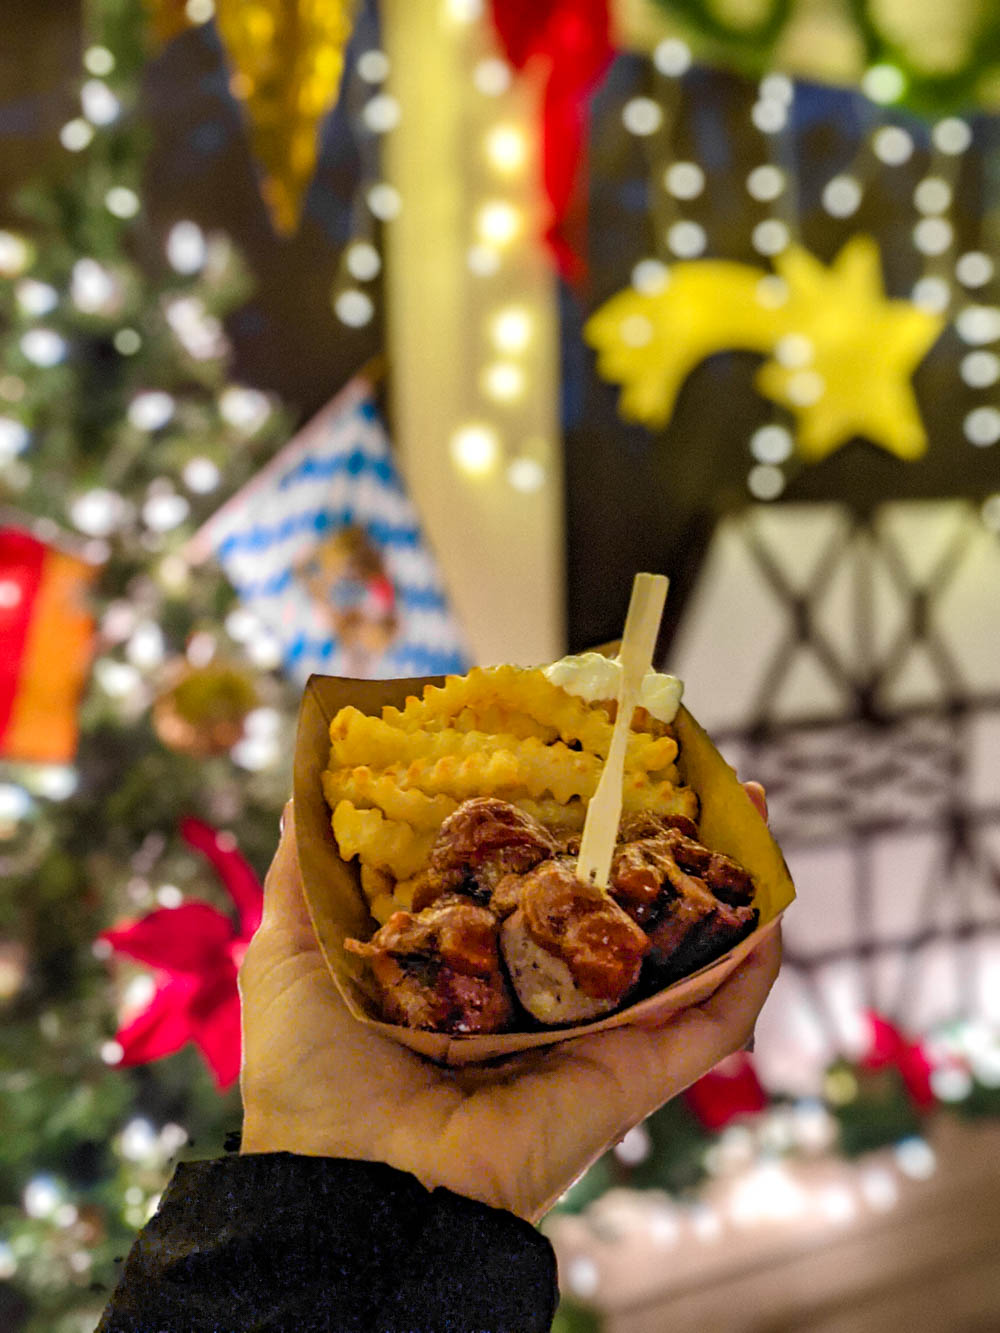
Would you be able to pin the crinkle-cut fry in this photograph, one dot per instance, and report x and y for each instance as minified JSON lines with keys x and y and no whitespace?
{"x":365,"y":789}
{"x":357,"y":740}
{"x":521,"y":689}
{"x":498,"y":720}
{"x":542,"y":769}
{"x":661,"y":798}
{"x":386,"y":844}
{"x":376,"y":883}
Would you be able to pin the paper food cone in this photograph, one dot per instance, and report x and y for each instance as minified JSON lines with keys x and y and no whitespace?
{"x":729,"y":823}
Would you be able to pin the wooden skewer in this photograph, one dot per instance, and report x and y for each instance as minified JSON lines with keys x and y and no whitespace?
{"x":600,"y":831}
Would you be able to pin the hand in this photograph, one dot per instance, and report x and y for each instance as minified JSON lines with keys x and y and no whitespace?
{"x":516,"y":1136}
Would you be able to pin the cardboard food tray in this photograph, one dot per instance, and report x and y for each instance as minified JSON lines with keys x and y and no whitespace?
{"x":729,"y":823}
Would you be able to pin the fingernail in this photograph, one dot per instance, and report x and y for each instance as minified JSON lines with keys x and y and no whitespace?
{"x":284,"y":815}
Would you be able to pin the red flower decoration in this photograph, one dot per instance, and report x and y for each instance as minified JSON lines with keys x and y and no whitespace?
{"x":197,"y":951}
{"x":730,"y":1090}
{"x":888,"y":1047}
{"x":569,"y":41}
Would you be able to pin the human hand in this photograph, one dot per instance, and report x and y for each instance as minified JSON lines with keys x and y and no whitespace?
{"x":317,"y":1082}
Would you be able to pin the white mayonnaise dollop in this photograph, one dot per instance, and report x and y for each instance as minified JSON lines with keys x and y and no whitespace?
{"x":593,"y":676}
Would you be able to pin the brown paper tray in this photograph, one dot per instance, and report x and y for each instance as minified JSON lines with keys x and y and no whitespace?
{"x":729,"y":823}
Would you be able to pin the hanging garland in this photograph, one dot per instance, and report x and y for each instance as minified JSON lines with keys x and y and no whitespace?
{"x":752,"y":48}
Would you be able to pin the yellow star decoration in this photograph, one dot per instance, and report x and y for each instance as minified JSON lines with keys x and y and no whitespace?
{"x":841,"y":353}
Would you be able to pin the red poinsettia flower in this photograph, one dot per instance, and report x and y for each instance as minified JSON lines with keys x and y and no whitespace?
{"x":888,"y":1046}
{"x":197,"y":951}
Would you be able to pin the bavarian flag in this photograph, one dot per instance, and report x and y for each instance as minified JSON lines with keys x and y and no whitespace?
{"x":46,"y":639}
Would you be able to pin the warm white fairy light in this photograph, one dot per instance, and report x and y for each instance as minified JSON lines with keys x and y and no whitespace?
{"x":892,"y":145}
{"x":932,"y":195}
{"x":982,"y":427}
{"x":112,"y":1052}
{"x":122,"y":202}
{"x":354,"y":308}
{"x":15,"y":802}
{"x":362,"y":261}
{"x":842,"y":196}
{"x":883,"y":83}
{"x":765,"y":482}
{"x":384,"y":201}
{"x":146,"y":648}
{"x":200,"y":11}
{"x":243,"y":408}
{"x":506,"y":149}
{"x":951,"y":1083}
{"x":36,"y":298}
{"x":771,"y":292}
{"x":503,"y":381}
{"x":381,"y":113}
{"x":151,"y":410}
{"x":186,"y":247}
{"x":14,"y":438}
{"x":373,"y":66}
{"x":475,"y":449}
{"x":95,"y":290}
{"x":635,"y":1147}
{"x":642,"y":116}
{"x":794,"y":351}
{"x":770,"y":237}
{"x":805,"y":387}
{"x":76,"y":135}
{"x":162,"y":513}
{"x":482,"y":260}
{"x":916,"y":1158}
{"x":98,"y":60}
{"x":931,"y":293}
{"x":978,"y":369}
{"x":933,"y":236}
{"x":952,"y":136}
{"x":769,"y":1192}
{"x":511,"y":329}
{"x":837,"y":1204}
{"x":765,"y":182}
{"x":582,"y":1277}
{"x":526,"y":475}
{"x":200,"y":333}
{"x":650,"y":276}
{"x":15,"y":254}
{"x":491,"y":76}
{"x":169,"y":895}
{"x":100,"y":105}
{"x":974,"y":269}
{"x":241,"y":625}
{"x":498,"y":222}
{"x":686,"y":239}
{"x":43,"y":347}
{"x":127,"y":342}
{"x":769,"y":115}
{"x":684,"y":180}
{"x":778,"y":88}
{"x":42,"y":1196}
{"x":137,"y":1141}
{"x":672,"y":57}
{"x":978,"y":324}
{"x":463,"y":11}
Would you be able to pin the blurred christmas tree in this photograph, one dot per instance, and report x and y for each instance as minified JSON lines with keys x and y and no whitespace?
{"x":120,"y":432}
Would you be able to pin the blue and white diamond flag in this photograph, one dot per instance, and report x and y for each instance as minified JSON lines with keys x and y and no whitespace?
{"x":325,"y":548}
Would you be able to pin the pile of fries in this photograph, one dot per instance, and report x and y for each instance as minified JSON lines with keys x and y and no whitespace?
{"x":499,"y":731}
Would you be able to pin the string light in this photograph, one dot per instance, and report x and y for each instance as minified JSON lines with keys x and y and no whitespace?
{"x":146,"y":648}
{"x":636,"y":331}
{"x":980,"y":369}
{"x":475,"y":449}
{"x":582,"y":1277}
{"x":769,"y":115}
{"x":243,"y":408}
{"x":15,"y":254}
{"x":94,"y":289}
{"x":672,"y":57}
{"x":36,"y":298}
{"x":765,"y":482}
{"x":642,"y":116}
{"x":482,"y":260}
{"x":186,"y":247}
{"x":362,"y":261}
{"x":98,"y":60}
{"x":770,"y":237}
{"x":498,"y":222}
{"x":931,"y":293}
{"x":354,"y":308}
{"x":933,"y":236}
{"x":526,"y":475}
{"x":43,"y":347}
{"x":76,"y":135}
{"x":892,"y":145}
{"x":464,"y":11}
{"x":506,"y":149}
{"x":162,"y":513}
{"x":503,"y":381}
{"x":982,"y":427}
{"x":384,"y":201}
{"x":777,"y":88}
{"x":684,"y":180}
{"x":127,"y":342}
{"x":199,"y":333}
{"x":951,"y":136}
{"x":842,"y":196}
{"x":686,"y":239}
{"x":100,"y":105}
{"x":765,"y":183}
{"x":491,"y":76}
{"x":978,"y":324}
{"x":974,"y":269}
{"x":932,"y":195}
{"x":883,"y":83}
{"x":373,"y":66}
{"x":511,"y":329}
{"x":915,"y":1158}
{"x":14,"y":437}
{"x":650,"y":276}
{"x":121,"y":202}
{"x":151,"y":410}
{"x":97,"y":512}
{"x":381,"y":113}
{"x":200,"y":11}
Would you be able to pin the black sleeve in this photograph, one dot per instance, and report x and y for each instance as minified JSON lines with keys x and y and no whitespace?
{"x":287,"y":1244}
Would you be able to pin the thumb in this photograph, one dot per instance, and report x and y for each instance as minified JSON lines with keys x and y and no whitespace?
{"x":284,"y":899}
